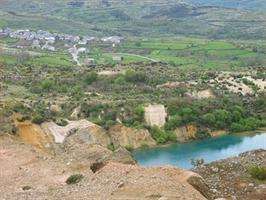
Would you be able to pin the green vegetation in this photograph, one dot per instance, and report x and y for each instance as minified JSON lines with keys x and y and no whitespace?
{"x":140,"y":18}
{"x":90,"y":78}
{"x":161,"y":136}
{"x":194,"y":53}
{"x":258,"y":172}
{"x":129,"y":148}
{"x":170,"y":52}
{"x":74,"y":179}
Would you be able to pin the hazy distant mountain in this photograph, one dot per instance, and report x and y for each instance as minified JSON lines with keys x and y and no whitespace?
{"x":138,"y":17}
{"x":240,"y":4}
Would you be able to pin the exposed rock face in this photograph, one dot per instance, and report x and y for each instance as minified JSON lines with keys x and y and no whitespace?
{"x":186,"y":133}
{"x":124,"y":136}
{"x":34,"y":135}
{"x":87,"y":132}
{"x":155,"y":115}
{"x":217,"y":133}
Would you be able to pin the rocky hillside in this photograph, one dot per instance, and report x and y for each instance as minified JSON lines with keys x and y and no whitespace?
{"x":33,"y":174}
{"x":231,"y":179}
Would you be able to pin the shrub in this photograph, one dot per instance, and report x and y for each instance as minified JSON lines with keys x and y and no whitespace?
{"x":171,"y":136}
{"x":108,"y":124}
{"x":248,"y":124}
{"x":38,"y":119}
{"x":47,"y":85}
{"x":161,"y":136}
{"x":120,"y":80}
{"x":201,"y":134}
{"x":258,"y":172}
{"x":62,"y":122}
{"x":139,"y":113}
{"x":173,"y":123}
{"x":144,"y":146}
{"x":73,"y":179}
{"x":130,"y":148}
{"x":187,"y":115}
{"x":135,"y":77}
{"x":111,"y":147}
{"x":91,"y":77}
{"x":158,"y":135}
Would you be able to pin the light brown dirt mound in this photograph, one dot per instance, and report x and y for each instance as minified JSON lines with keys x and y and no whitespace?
{"x":128,"y":137}
{"x":119,"y":181}
{"x":45,"y":178}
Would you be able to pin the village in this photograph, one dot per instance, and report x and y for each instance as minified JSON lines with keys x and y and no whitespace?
{"x":52,"y":42}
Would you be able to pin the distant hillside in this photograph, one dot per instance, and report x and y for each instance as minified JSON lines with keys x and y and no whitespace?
{"x":134,"y":18}
{"x":256,"y":5}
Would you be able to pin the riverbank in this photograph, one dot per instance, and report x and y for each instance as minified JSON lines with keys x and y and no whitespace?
{"x":209,"y":150}
{"x":230,"y":178}
{"x":257,"y":131}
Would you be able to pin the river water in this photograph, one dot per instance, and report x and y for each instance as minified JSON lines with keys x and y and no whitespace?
{"x":212,"y":149}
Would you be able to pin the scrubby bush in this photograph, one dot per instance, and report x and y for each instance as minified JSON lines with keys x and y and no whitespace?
{"x":201,"y":134}
{"x":258,"y":172}
{"x":120,"y":80}
{"x":47,"y":85}
{"x":135,"y":77}
{"x":90,"y":78}
{"x":73,"y":179}
{"x":173,"y":123}
{"x":161,"y":136}
{"x":38,"y":119}
{"x":111,"y":147}
{"x":139,"y":113}
{"x":130,"y":148}
{"x":248,"y":124}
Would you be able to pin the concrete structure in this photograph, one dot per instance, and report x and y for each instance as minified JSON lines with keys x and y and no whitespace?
{"x":155,"y":115}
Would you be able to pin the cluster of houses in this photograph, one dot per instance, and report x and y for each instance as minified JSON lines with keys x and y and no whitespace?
{"x":46,"y":40}
{"x":51,"y":38}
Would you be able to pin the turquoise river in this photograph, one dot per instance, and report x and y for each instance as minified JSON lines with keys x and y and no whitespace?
{"x":212,"y":149}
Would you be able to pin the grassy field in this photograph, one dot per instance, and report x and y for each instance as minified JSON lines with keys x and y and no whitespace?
{"x":184,"y":53}
{"x":190,"y":52}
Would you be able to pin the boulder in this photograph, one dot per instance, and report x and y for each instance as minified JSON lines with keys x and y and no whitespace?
{"x":86,"y":132}
{"x":155,"y":115}
{"x":55,"y":108}
{"x":75,"y":114}
{"x":200,"y":185}
{"x":186,"y":133}
{"x":129,"y":137}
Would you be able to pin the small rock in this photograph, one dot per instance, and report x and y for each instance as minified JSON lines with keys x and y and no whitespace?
{"x":26,"y":187}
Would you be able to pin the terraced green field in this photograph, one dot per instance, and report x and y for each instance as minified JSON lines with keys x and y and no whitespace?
{"x":189,"y":52}
{"x":186,"y":53}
